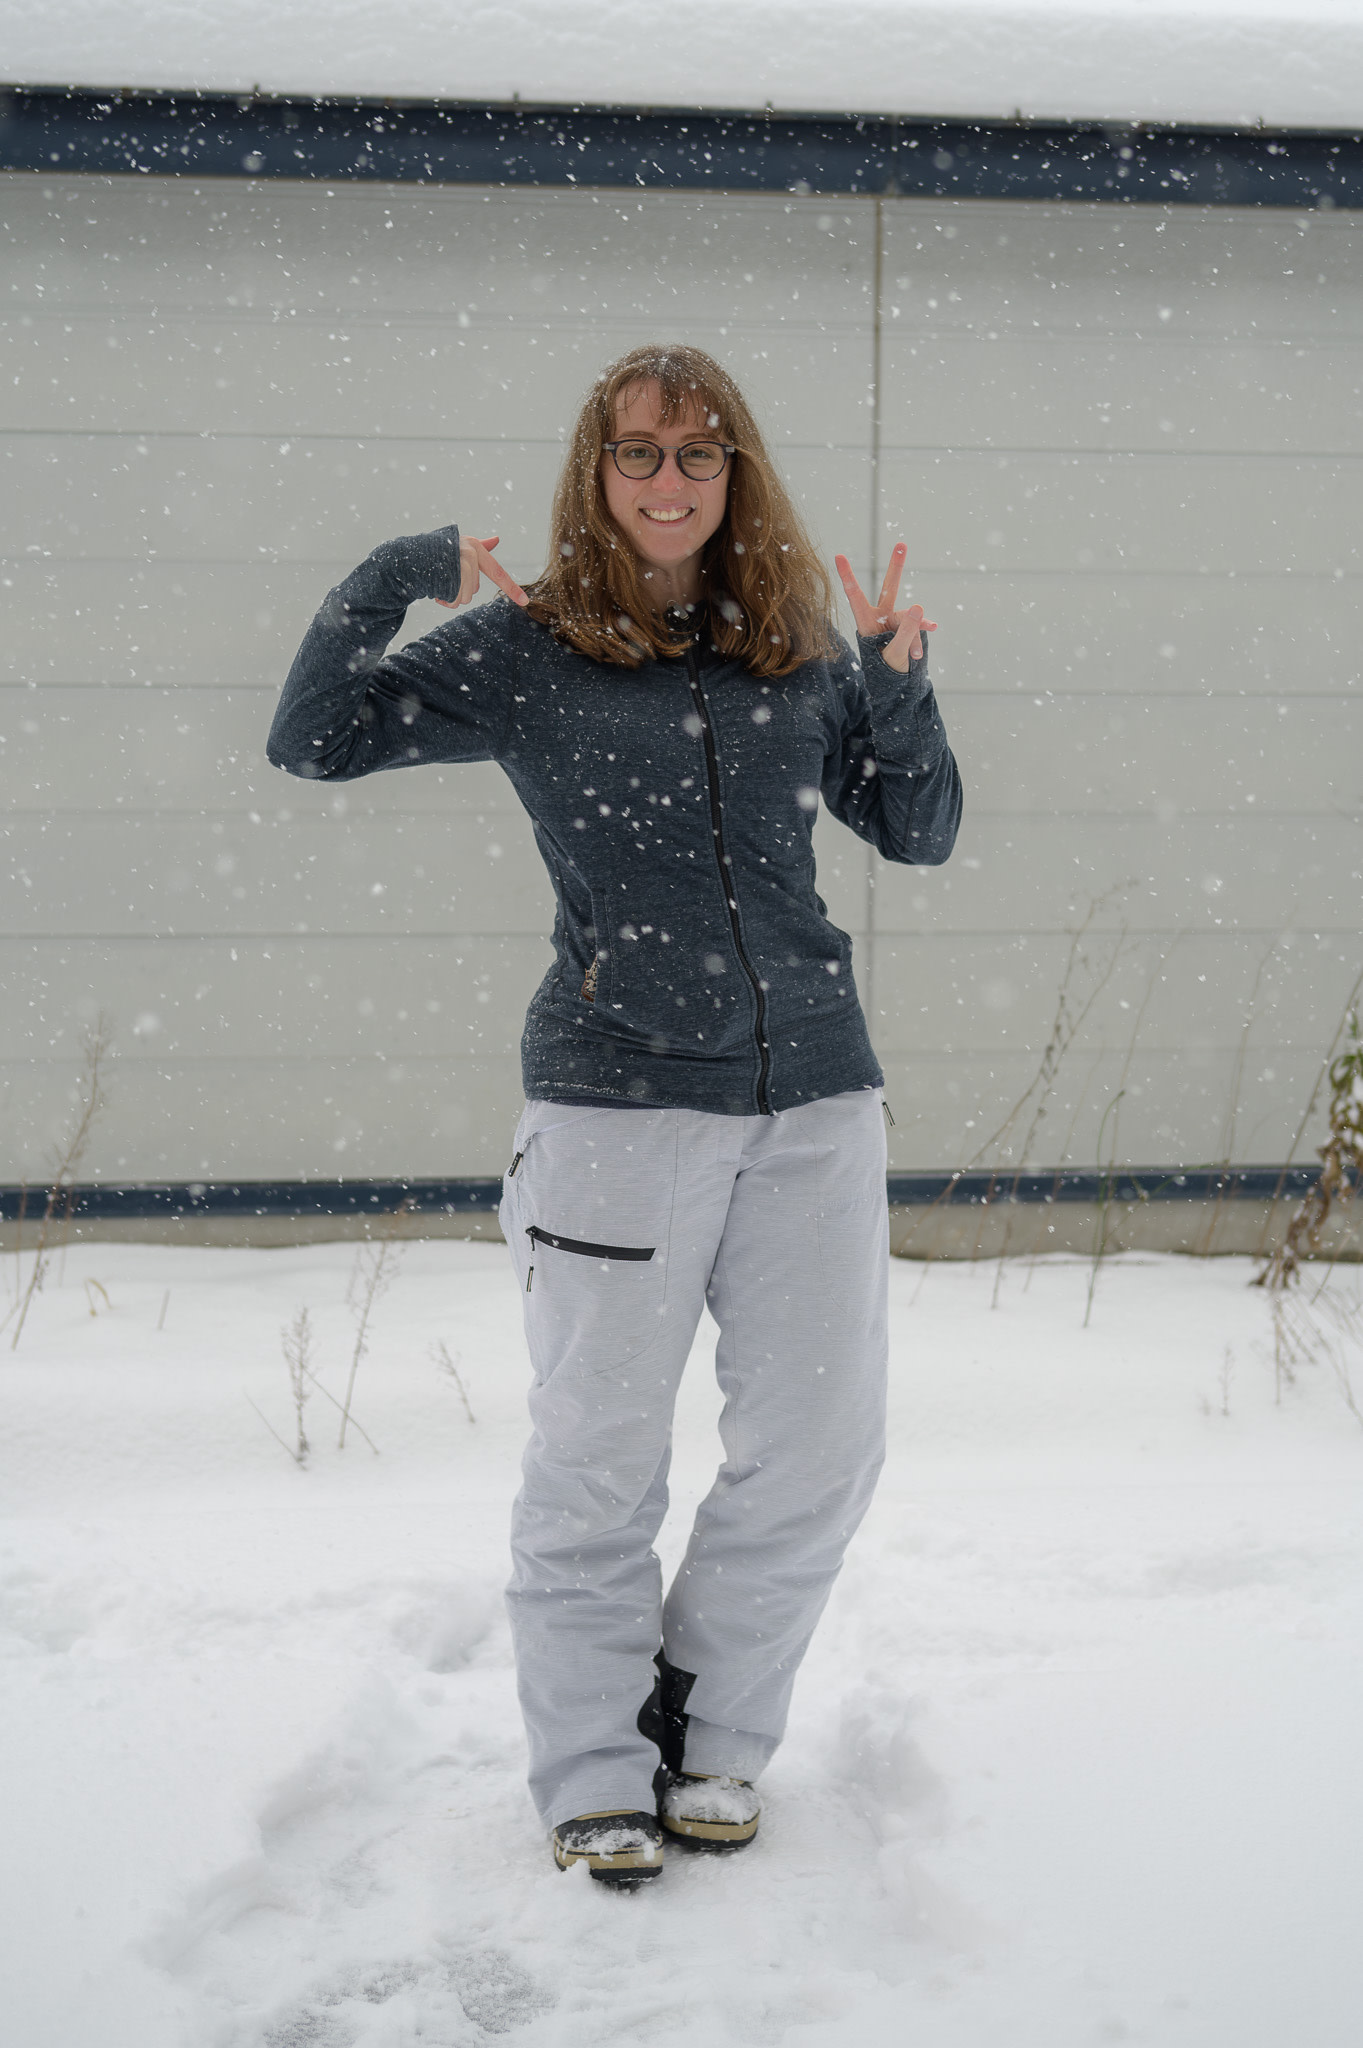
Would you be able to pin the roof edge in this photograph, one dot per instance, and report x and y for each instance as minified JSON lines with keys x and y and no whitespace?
{"x":520,"y":143}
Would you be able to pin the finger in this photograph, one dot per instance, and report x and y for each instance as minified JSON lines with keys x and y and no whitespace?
{"x":889,"y":589}
{"x":495,"y":573}
{"x":906,"y":641}
{"x":864,"y":617}
{"x":467,"y":591}
{"x":896,"y":651}
{"x":915,"y":625}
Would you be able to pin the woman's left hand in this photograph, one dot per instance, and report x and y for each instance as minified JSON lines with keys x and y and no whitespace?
{"x":908,"y":625}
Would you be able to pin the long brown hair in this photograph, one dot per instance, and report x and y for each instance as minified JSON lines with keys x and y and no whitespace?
{"x":769,"y":593}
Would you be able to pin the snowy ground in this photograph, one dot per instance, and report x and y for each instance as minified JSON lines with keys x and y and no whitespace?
{"x":1075,"y":1758}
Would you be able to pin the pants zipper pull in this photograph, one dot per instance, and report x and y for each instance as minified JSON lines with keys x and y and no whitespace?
{"x":511,"y":1170}
{"x":883,"y":1103}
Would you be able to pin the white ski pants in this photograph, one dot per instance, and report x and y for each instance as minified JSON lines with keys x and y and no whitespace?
{"x":623,"y":1224}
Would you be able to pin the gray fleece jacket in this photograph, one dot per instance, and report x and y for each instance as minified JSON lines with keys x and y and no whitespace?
{"x":673,"y":804}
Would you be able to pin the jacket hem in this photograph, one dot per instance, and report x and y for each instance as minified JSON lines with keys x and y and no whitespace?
{"x":833,"y":1056}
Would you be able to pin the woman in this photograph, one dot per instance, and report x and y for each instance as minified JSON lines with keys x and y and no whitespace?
{"x":703,"y":1113}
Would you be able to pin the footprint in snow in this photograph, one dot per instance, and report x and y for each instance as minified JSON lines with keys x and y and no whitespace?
{"x":473,"y":1995}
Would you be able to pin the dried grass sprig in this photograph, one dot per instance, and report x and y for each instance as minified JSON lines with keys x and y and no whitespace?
{"x":1341,"y":1158}
{"x":375,"y":1266}
{"x":96,"y":1043}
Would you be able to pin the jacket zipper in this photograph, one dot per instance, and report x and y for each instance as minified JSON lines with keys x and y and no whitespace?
{"x":698,"y":698}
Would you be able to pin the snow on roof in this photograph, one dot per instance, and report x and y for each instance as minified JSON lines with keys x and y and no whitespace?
{"x":1285,"y":63}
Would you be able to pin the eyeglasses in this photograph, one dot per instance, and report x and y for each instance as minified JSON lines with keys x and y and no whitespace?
{"x":701,"y":461}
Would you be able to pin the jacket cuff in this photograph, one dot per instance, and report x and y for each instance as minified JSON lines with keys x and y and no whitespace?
{"x":420,"y":565}
{"x":914,"y":682}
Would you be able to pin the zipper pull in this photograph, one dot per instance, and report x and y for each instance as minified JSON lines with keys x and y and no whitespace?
{"x":529,"y":1279}
{"x":511,"y":1170}
{"x":530,"y":1270}
{"x":883,"y":1103}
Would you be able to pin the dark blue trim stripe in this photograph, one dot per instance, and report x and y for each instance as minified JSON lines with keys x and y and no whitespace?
{"x":1124,"y":1184}
{"x":265,"y":1198}
{"x":221,"y":136}
{"x":470,"y":1197}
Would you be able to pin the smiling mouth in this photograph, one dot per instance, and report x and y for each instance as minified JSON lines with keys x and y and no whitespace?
{"x":660,"y":517}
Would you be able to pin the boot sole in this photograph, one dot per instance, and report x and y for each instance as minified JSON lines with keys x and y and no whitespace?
{"x":626,"y":1872}
{"x":710,"y":1834}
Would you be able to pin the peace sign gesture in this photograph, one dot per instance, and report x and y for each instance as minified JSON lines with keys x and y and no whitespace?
{"x":476,"y":561}
{"x":909,"y":625}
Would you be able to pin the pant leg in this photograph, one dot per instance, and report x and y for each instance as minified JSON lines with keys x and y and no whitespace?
{"x":608,"y":1339}
{"x":799,"y":1291}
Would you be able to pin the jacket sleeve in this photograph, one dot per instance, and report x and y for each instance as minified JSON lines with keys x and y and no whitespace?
{"x":348,"y":708}
{"x":893,"y":779}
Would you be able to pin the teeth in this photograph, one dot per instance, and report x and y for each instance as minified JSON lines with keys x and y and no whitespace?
{"x":668,"y":517}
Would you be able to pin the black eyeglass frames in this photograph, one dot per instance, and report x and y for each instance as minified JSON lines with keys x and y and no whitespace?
{"x":700,"y":460}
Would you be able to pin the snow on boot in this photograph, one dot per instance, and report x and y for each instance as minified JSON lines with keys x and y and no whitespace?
{"x":624,"y":1849}
{"x":710,"y":1812}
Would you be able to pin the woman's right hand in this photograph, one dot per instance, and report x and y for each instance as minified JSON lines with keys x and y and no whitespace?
{"x":475,"y":562}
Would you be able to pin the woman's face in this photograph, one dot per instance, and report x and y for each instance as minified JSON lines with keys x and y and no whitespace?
{"x":666,"y":518}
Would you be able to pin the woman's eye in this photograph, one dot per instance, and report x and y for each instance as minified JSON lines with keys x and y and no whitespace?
{"x":638,"y":451}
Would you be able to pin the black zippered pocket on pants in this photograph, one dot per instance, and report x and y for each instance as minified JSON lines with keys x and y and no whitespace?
{"x":589,"y":1251}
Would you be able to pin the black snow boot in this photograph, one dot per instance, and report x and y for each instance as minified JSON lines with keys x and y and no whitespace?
{"x":623,"y":1849}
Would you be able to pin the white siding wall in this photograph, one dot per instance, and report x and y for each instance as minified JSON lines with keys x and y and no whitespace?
{"x":1123,"y":446}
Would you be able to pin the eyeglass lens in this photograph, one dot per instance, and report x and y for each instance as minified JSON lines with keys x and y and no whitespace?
{"x":699,"y":460}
